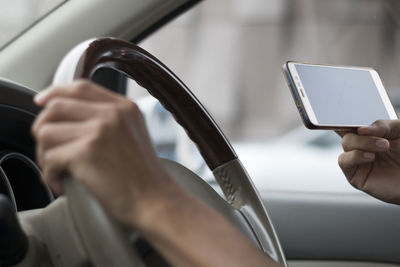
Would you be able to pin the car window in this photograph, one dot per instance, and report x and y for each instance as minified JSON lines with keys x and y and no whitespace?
{"x":18,"y":15}
{"x":230,"y":54}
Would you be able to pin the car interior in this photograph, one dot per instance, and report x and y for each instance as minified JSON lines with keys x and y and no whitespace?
{"x":105,"y":41}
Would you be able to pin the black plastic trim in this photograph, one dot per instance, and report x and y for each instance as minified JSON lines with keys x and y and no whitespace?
{"x":335,"y":226}
{"x":13,"y":242}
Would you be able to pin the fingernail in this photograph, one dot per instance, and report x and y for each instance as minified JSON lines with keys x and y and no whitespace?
{"x":381,"y":144}
{"x":41,"y":96}
{"x":368,"y":155}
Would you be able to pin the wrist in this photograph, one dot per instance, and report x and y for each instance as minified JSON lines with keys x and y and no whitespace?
{"x":157,"y":206}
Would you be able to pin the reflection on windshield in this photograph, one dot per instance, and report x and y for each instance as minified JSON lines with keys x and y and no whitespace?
{"x":18,"y":15}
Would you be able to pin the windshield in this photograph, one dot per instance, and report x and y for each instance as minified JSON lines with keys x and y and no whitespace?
{"x":18,"y":15}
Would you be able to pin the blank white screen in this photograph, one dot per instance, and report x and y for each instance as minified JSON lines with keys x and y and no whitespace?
{"x":342,"y":96}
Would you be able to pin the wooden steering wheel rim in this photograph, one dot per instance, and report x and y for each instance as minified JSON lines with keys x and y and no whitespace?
{"x":160,"y":82}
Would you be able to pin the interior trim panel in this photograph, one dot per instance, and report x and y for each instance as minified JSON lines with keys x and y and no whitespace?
{"x":51,"y":38}
{"x":338,"y":264}
{"x":326,"y":226}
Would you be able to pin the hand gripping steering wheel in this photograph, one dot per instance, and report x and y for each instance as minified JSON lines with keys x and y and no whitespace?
{"x":104,"y":240}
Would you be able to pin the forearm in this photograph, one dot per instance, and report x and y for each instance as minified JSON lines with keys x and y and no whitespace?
{"x":191,"y":233}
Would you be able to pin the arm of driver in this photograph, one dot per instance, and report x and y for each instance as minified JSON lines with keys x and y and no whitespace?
{"x":193,"y":234}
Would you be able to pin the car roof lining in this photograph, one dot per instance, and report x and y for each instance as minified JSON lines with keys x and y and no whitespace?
{"x":165,"y":20}
{"x":31,"y":59}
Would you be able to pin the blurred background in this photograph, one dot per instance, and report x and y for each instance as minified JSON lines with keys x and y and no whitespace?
{"x":230,"y":54}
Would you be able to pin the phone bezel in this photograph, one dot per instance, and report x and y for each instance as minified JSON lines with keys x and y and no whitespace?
{"x":311,"y":121}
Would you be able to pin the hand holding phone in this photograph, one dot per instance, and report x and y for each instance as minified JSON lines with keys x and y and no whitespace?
{"x":370,"y":160}
{"x":338,"y":97}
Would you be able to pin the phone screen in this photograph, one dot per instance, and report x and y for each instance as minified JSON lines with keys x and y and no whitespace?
{"x":341,"y":96}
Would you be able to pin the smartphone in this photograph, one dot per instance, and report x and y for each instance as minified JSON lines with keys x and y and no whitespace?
{"x":337,"y":97}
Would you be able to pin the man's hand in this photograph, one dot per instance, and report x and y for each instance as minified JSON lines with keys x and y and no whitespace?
{"x":371,"y":160}
{"x":101,"y":139}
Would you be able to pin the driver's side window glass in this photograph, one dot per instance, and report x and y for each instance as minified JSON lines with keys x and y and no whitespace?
{"x":230,"y":53}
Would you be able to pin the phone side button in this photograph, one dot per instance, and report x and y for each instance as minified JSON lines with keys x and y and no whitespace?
{"x":299,"y":107}
{"x":302,"y":93}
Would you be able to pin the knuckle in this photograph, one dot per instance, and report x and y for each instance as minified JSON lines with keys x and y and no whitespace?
{"x":35,"y":128}
{"x":115,"y":114}
{"x":110,"y":120}
{"x":89,"y":149}
{"x":43,"y":133}
{"x":39,"y":124}
{"x":341,"y":160}
{"x":53,"y":105}
{"x":345,"y":160}
{"x":379,"y":123}
{"x":354,"y":183}
{"x":359,"y":184}
{"x":104,"y":128}
{"x":383,"y":124}
{"x":126,"y":108}
{"x":130,"y":107}
{"x":55,"y":90}
{"x":346,"y":142}
{"x":79,"y":85}
{"x":107,"y":123}
{"x":46,"y":158}
{"x":354,"y":156}
{"x":100,"y":128}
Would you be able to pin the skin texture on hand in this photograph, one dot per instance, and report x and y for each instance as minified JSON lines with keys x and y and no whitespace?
{"x":371,"y":160}
{"x":100,"y":138}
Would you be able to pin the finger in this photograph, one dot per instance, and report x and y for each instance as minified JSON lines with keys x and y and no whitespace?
{"x":353,"y":141}
{"x":80,"y":89}
{"x":349,"y":161}
{"x":342,"y":133}
{"x":52,"y":134}
{"x":65,"y":109}
{"x":382,"y":128}
{"x":58,"y":161}
{"x":56,"y":134}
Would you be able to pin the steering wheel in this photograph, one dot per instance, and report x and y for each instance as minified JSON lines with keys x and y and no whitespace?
{"x":105,"y":241}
